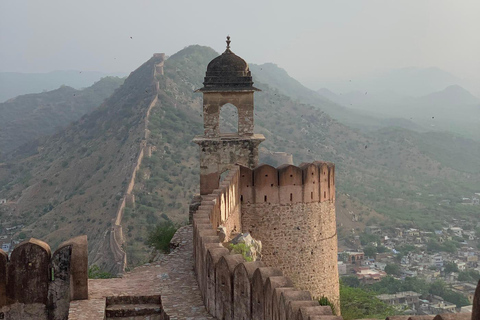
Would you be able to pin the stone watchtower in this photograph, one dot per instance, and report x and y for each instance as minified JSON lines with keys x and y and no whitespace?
{"x":228,"y":81}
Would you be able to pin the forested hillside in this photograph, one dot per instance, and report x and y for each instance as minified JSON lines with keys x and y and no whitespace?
{"x":387,"y":176}
{"x":73,"y":183}
{"x":28,"y":117}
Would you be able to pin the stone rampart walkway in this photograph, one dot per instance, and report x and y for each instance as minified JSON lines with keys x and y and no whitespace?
{"x":172,"y":277}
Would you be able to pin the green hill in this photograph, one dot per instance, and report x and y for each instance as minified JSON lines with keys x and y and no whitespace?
{"x":72,"y":186}
{"x":28,"y":117}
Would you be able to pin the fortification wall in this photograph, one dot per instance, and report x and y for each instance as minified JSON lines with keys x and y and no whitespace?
{"x":232,"y":288}
{"x":224,"y":204}
{"x":34,"y":284}
{"x":292,"y":211}
{"x":271,"y":202}
{"x":116,"y":233}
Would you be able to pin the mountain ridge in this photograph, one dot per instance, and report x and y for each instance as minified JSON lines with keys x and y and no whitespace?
{"x":28,"y":117}
{"x":82,"y":173}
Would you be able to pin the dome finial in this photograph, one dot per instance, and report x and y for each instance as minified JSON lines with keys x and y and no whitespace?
{"x":228,"y":42}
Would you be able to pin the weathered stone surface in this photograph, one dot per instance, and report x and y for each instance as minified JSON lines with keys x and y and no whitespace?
{"x":293,"y":308}
{"x":28,"y":273}
{"x":78,"y":267}
{"x":254,"y":246}
{"x":307,"y":312}
{"x":3,"y":278}
{"x":289,"y":296}
{"x":213,"y":256}
{"x":222,"y":233}
{"x":242,"y":289}
{"x":221,"y":152}
{"x":306,"y":229}
{"x":59,"y":288}
{"x":224,"y":285}
{"x":271,"y":285}
{"x":259,"y":280}
{"x":277,"y":294}
{"x":91,"y":309}
{"x":172,"y":278}
{"x":21,"y":311}
{"x":193,"y":207}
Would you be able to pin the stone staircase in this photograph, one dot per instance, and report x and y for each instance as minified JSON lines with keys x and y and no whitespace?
{"x":135,"y":308}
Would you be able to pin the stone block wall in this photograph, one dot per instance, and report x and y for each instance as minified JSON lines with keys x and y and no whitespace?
{"x":235,"y":289}
{"x":224,"y":204}
{"x":292,"y":211}
{"x":34,"y":284}
{"x":219,"y":154}
{"x":232,"y":288}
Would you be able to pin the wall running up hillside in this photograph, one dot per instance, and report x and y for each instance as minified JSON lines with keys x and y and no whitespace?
{"x":116,"y":235}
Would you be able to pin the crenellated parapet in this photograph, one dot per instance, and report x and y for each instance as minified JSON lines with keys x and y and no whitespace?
{"x":233,"y":288}
{"x":287,"y":184}
{"x":33,"y":281}
{"x":291,"y":210}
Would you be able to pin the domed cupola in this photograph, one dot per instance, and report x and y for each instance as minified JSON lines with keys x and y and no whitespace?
{"x":228,"y":72}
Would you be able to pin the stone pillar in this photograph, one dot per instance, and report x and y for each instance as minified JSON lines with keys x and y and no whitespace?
{"x":28,"y":272}
{"x":242,"y":289}
{"x":79,"y":267}
{"x":59,"y":287}
{"x":224,"y":285}
{"x":258,"y":290}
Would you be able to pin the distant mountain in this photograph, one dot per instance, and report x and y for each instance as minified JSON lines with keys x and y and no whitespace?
{"x":13,"y":84}
{"x":413,"y":82}
{"x":337,"y":107}
{"x":73,"y":181}
{"x":74,"y":184}
{"x":453,"y":108}
{"x":28,"y":117}
{"x":453,"y":95}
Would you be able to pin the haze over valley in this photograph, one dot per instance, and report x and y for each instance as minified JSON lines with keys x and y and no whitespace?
{"x":96,"y":129}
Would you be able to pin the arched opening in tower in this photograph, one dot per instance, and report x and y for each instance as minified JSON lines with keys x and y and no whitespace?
{"x":228,"y":119}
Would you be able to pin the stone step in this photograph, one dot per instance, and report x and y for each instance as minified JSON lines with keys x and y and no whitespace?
{"x":132,"y":310}
{"x":91,"y":309}
{"x":133,"y":306}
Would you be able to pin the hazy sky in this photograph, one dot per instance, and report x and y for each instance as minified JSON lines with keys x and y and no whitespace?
{"x":313,"y":40}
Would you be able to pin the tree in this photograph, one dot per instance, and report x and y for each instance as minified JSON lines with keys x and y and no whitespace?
{"x":366,"y":238}
{"x":357,"y":303}
{"x":351,"y":281}
{"x":450,"y":266}
{"x":382,"y":249}
{"x":469,"y":275}
{"x":370,"y":251}
{"x":162,"y":234}
{"x":437,"y":288}
{"x":393,"y":269}
{"x":457,"y":298}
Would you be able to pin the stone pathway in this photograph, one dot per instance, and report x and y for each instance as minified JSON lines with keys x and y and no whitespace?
{"x":172,"y":277}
